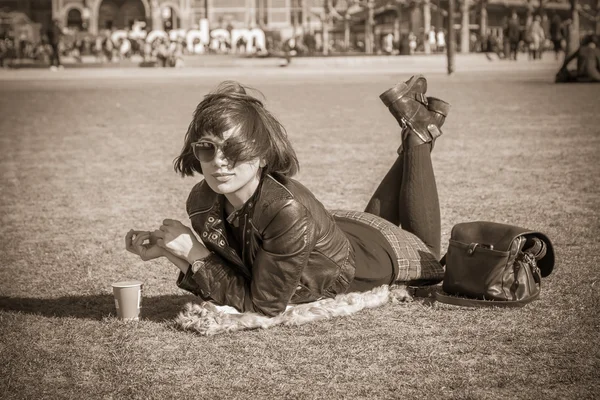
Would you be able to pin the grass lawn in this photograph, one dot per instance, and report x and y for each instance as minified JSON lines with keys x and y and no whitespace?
{"x":85,"y":160}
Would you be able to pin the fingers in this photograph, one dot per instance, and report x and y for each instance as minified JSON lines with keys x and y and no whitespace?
{"x":171,"y":225}
{"x":139,"y":239}
{"x":128,"y":238}
{"x":172,"y":222}
{"x":134,"y":240}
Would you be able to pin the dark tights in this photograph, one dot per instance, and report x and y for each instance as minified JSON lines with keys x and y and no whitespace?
{"x":407,"y":196}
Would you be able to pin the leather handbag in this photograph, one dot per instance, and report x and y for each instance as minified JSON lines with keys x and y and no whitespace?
{"x":493,"y":264}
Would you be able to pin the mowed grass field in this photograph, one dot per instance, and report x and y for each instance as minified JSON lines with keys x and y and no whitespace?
{"x":86,"y":159}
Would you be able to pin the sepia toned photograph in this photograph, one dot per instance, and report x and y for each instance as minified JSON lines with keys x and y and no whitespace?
{"x":299,"y":199}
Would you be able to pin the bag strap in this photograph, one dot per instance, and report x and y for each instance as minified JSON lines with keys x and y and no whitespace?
{"x":461,"y":301}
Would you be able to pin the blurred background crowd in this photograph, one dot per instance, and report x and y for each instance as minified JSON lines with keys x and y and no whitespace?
{"x":160,"y":32}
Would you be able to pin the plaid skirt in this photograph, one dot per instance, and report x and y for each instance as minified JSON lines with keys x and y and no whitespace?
{"x":415,"y":261}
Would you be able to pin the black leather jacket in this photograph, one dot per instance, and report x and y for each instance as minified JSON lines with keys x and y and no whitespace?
{"x":292,"y":249}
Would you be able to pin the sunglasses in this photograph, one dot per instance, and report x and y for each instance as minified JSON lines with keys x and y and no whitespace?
{"x":205,"y":151}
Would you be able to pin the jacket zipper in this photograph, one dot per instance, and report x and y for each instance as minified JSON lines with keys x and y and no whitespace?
{"x":244,"y":237}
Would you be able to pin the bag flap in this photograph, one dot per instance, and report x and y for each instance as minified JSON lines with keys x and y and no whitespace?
{"x":500,"y":236}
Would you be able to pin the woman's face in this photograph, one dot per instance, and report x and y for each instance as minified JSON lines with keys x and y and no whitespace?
{"x":238,"y":182}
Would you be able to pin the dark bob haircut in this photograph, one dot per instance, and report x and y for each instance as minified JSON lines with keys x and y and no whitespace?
{"x":258,"y":133}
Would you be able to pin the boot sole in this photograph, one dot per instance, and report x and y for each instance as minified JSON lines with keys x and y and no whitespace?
{"x":393,"y":94}
{"x":439,"y":106}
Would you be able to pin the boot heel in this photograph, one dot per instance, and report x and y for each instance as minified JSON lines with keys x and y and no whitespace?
{"x":440,"y":109}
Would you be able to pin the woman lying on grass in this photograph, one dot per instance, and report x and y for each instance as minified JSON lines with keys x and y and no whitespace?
{"x":266,"y":241}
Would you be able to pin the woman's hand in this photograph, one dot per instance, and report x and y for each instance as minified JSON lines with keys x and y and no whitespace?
{"x":143,"y":243}
{"x":180,"y":240}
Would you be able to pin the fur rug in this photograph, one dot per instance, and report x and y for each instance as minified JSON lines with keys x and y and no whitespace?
{"x":209,"y":319}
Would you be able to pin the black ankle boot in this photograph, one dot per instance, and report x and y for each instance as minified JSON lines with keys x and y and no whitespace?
{"x":415,"y":84}
{"x":420,"y":121}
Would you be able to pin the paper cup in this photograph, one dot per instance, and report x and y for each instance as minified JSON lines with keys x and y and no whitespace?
{"x":128,"y":299}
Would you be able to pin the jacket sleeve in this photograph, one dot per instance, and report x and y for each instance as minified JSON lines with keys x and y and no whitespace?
{"x":287,"y":241}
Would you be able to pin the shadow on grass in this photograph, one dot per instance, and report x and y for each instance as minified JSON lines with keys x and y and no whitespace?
{"x":95,"y":307}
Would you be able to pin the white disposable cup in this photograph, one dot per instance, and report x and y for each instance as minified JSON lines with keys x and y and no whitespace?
{"x":128,"y":299}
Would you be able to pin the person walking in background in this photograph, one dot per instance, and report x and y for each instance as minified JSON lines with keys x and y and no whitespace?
{"x":412,"y":42}
{"x":491,"y":46}
{"x":97,"y":47}
{"x":535,"y":38}
{"x":178,"y":61}
{"x":546,"y":27}
{"x":388,"y":43}
{"x":432,"y":40}
{"x":22,"y":46}
{"x":566,"y":27}
{"x":474,"y":43}
{"x":162,"y":53}
{"x":505,"y":41}
{"x":556,"y":34}
{"x":3,"y":51}
{"x":441,"y":40}
{"x":514,"y":35}
{"x":54,"y":36}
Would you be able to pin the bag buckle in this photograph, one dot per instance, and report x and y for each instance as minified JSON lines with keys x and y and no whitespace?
{"x":473,"y":246}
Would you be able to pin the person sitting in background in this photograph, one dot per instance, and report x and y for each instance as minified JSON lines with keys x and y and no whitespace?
{"x":588,"y":63}
{"x":289,"y":50}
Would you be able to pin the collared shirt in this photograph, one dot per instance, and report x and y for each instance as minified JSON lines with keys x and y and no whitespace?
{"x":235,"y":231}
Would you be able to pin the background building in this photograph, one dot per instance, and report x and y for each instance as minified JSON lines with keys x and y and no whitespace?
{"x":95,"y":15}
{"x":347,"y":21}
